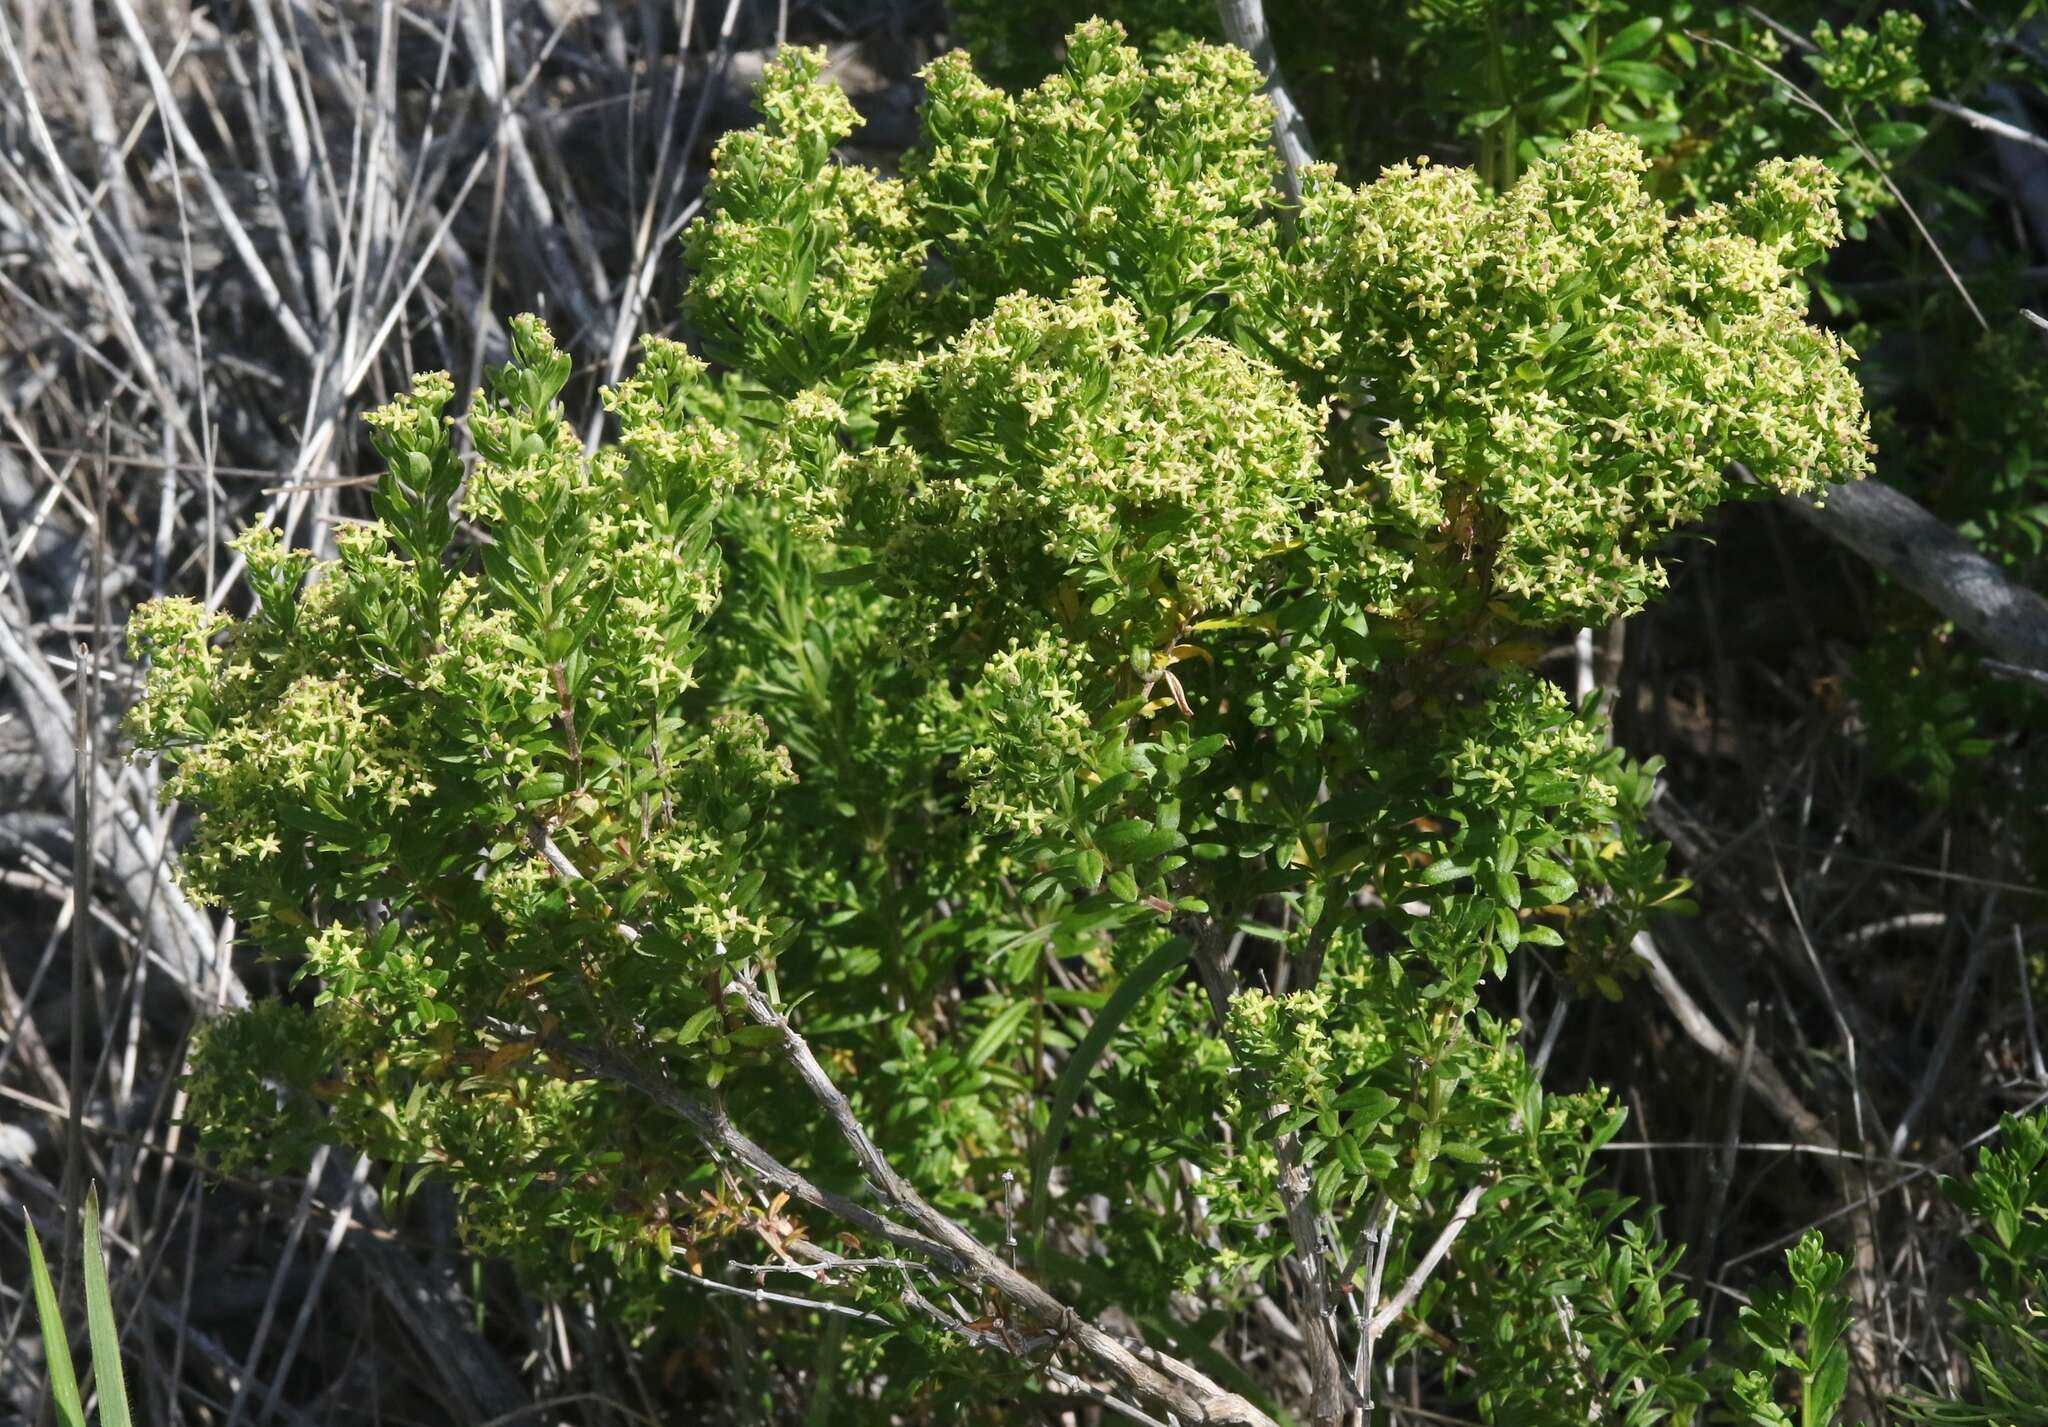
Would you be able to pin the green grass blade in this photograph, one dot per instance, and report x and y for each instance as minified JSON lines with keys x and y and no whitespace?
{"x":56,"y":1349}
{"x":100,"y":1324}
{"x":1081,"y":1064}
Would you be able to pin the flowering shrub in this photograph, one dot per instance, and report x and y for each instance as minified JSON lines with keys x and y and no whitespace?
{"x":1010,"y":797}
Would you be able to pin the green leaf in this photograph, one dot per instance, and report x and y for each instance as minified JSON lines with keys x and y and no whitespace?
{"x":1631,"y":39}
{"x":1641,"y":77}
{"x":1653,"y":133}
{"x":996,"y":1034}
{"x":1081,"y":1064}
{"x":1088,"y":867}
{"x":1348,"y":807}
{"x":1558,"y":100}
{"x":1829,"y":1384}
{"x":305,"y":819}
{"x":56,"y":1348}
{"x":1443,"y":870}
{"x":1894,"y":134}
{"x":108,"y":1383}
{"x":1136,"y":840}
{"x":541,"y":788}
{"x":851,"y":575}
{"x":1506,"y":886}
{"x":1366,"y":1104}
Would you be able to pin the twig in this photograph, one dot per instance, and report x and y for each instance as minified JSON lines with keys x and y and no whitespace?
{"x":1962,"y":1000}
{"x":179,"y":937}
{"x":1855,"y":139}
{"x":1722,"y":1171}
{"x":1173,"y":1384}
{"x":1999,"y":128}
{"x":1381,"y":1242}
{"x":1418,"y":1278}
{"x":238,"y":235}
{"x":762,"y":1295}
{"x":1896,"y":534}
{"x":2026,"y":975}
{"x":85,"y":766}
{"x":1763,"y":1077}
{"x":1828,"y":996}
{"x":1864,"y":1203}
{"x":1297,"y":1197}
{"x":1244,"y":21}
{"x":721,"y":1135}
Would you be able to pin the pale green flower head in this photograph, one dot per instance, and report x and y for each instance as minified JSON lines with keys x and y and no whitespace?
{"x":801,"y":264}
{"x":1031,"y":709}
{"x":1156,"y":178}
{"x":1862,"y":65}
{"x":1047,"y":445}
{"x":1564,"y":373}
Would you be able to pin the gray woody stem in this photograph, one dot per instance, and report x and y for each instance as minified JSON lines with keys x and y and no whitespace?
{"x":1185,"y":1393}
{"x":1896,"y":534}
{"x":1404,"y":1298}
{"x":719,"y":1133}
{"x":1297,"y":1196}
{"x":1244,"y":21}
{"x":1172,"y":1384}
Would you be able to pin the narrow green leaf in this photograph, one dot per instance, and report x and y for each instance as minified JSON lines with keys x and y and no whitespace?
{"x":1081,"y":1064}
{"x":1641,"y":77}
{"x":852,"y":575}
{"x":541,"y":788}
{"x":1632,"y":38}
{"x":1135,"y":840}
{"x":108,"y":1383}
{"x":1894,"y":134}
{"x":694,"y":1027}
{"x":1348,"y":807}
{"x":1506,"y":886}
{"x":56,"y":1350}
{"x":996,"y":1034}
{"x":1830,"y":1383}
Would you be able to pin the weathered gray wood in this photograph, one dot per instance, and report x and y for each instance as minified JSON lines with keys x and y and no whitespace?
{"x":1899,"y":536}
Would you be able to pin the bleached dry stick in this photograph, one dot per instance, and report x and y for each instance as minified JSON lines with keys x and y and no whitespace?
{"x":1898,"y":535}
{"x":1165,"y":1381}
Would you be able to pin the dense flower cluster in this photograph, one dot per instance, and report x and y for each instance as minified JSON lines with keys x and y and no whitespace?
{"x":1551,"y":371}
{"x":442,"y":774}
{"x":1034,"y":727}
{"x":1046,"y":439}
{"x":801,"y":260}
{"x":1153,"y":177}
{"x":1867,"y":66}
{"x":1534,"y":387}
